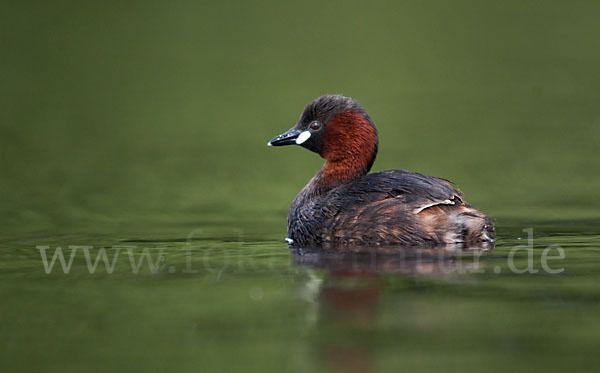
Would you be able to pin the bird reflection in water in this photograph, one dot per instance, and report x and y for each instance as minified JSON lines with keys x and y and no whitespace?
{"x":346,"y":284}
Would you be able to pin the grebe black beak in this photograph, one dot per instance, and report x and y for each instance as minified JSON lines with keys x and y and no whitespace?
{"x":292,"y":137}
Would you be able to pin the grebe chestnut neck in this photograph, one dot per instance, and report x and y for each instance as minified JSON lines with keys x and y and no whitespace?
{"x":343,"y":204}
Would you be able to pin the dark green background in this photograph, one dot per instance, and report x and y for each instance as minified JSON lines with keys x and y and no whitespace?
{"x":142,"y":120}
{"x":114,"y":109}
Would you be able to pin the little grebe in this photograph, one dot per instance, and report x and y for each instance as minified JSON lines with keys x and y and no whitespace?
{"x":344,"y":204}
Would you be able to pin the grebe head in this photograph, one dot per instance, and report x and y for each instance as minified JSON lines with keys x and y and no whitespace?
{"x":337,"y":128}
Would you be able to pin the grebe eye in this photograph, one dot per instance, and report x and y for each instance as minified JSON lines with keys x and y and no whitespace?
{"x":315,"y":126}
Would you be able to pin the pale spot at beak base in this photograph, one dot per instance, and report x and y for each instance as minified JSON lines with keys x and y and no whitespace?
{"x":303,"y":137}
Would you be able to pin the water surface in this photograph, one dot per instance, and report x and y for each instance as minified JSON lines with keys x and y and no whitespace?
{"x":221,"y":294}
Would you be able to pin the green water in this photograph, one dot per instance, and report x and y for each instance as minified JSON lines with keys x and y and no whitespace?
{"x":143,"y":125}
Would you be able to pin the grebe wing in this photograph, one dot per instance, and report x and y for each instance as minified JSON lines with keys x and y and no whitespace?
{"x":416,"y":192}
